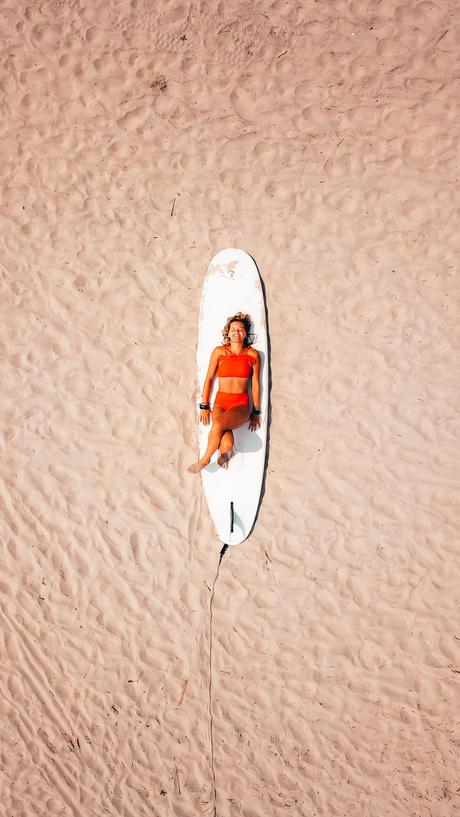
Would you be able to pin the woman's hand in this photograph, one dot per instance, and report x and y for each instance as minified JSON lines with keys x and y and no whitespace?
{"x":205,"y":416}
{"x":254,"y":422}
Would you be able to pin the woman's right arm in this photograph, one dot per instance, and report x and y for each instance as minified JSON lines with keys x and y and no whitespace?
{"x":205,"y":414}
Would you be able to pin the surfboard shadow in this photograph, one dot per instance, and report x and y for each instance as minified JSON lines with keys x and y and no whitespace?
{"x":269,"y":402}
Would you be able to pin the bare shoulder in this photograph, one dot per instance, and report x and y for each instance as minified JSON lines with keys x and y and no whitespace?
{"x":218,"y":350}
{"x":254,"y":354}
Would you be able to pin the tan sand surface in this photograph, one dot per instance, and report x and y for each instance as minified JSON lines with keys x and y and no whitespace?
{"x":137,"y":139}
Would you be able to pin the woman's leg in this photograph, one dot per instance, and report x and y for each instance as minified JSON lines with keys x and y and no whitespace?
{"x":227,"y":441}
{"x":225,"y":449}
{"x":225,"y":421}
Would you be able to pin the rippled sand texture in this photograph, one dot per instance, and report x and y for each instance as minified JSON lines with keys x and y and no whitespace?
{"x":138,"y":139}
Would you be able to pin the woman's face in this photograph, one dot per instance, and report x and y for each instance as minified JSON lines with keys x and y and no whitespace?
{"x":237,"y":332}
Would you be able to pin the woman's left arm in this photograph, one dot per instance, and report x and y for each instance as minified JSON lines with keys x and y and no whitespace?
{"x":254,"y":420}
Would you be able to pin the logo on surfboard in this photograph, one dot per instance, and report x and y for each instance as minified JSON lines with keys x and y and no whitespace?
{"x":228,"y":272}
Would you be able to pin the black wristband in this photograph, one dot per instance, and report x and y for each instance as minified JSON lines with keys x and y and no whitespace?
{"x":256,"y":411}
{"x":205,"y":406}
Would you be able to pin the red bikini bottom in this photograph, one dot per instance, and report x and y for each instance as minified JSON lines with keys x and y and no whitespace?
{"x":227,"y":401}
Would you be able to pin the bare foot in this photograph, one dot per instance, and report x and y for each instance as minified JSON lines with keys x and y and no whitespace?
{"x":224,"y":458}
{"x":198,"y":466}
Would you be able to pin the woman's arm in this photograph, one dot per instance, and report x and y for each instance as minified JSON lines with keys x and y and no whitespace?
{"x":207,"y":385}
{"x":254,"y":420}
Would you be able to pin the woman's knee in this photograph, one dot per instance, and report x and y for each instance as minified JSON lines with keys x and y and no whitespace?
{"x":226,"y":443}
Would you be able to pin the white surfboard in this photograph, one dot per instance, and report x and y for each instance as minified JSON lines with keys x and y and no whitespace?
{"x":233,"y":284}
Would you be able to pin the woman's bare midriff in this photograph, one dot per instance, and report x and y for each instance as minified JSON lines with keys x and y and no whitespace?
{"x":233,"y":385}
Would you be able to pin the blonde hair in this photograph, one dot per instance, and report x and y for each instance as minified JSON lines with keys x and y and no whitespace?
{"x":243,"y":318}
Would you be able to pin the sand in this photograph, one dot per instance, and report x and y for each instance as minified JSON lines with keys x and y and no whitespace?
{"x":137,"y":140}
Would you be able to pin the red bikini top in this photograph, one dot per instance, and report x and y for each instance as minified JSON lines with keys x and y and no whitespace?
{"x":235,"y":365}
